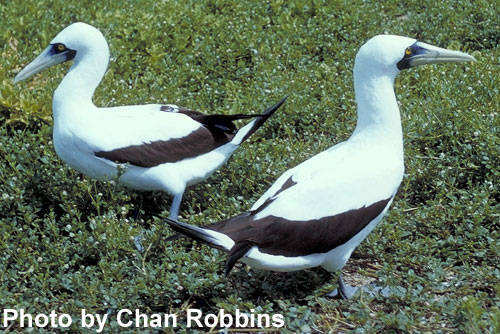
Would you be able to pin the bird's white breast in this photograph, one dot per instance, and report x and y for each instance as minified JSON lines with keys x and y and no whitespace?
{"x":348,"y":176}
{"x":80,"y":132}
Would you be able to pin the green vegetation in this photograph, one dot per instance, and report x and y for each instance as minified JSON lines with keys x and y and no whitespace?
{"x":66,"y":241}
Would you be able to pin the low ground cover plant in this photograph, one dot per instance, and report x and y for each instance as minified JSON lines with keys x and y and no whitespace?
{"x":66,"y":241}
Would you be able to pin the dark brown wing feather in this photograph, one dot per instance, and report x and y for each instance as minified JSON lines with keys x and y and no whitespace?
{"x":215,"y":131}
{"x":159,"y":152}
{"x":279,"y":236}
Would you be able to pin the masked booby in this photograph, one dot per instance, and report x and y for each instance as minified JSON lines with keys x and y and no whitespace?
{"x":164,"y":147}
{"x":318,"y":212}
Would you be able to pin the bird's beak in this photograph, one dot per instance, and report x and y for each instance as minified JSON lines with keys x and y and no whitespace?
{"x":422,"y":54}
{"x":46,"y":59}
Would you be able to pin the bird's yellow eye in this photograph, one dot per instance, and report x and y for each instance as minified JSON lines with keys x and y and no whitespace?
{"x":408,"y":51}
{"x":60,"y":47}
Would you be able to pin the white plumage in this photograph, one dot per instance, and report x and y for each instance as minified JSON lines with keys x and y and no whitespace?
{"x":164,"y":147}
{"x":318,"y":212}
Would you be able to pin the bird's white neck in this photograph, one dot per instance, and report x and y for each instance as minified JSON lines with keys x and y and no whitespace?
{"x":79,"y":84}
{"x":378,"y":111}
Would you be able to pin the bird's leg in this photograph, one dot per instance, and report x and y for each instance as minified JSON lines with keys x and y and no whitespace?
{"x":137,"y":211}
{"x":174,"y":208}
{"x":138,"y":238}
{"x":344,"y":291}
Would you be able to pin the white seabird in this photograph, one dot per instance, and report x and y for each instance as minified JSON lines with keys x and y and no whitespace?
{"x":164,"y":147}
{"x":317,"y":213}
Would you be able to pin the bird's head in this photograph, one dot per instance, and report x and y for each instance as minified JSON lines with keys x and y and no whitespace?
{"x":72,"y":43}
{"x":391,"y":54}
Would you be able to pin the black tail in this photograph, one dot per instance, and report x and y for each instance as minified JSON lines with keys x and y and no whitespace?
{"x":225,"y":122}
{"x":262,"y":118}
{"x":238,"y":250}
{"x":193,"y":232}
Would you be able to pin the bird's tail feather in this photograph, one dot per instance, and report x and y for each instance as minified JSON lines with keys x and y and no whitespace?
{"x":251,"y":127}
{"x":212,"y":238}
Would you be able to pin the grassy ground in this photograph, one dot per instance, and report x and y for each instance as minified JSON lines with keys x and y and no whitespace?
{"x":65,"y":240}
